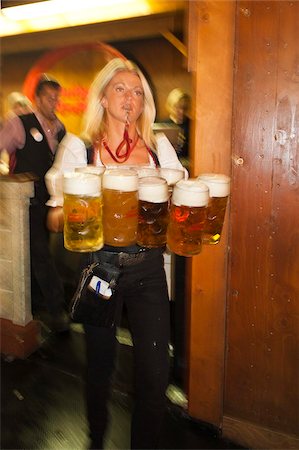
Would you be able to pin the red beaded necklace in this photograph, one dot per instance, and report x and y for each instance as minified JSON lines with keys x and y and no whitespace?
{"x":121,"y":154}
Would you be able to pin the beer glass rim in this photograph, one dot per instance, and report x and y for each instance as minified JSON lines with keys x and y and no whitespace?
{"x":120,"y":179}
{"x":214,"y":177}
{"x":153,"y":190}
{"x":196,"y":193}
{"x":192,"y":184}
{"x":152,"y":179}
{"x":147,"y":171}
{"x":78,"y":183}
{"x":90,"y":169}
{"x":218,"y":183}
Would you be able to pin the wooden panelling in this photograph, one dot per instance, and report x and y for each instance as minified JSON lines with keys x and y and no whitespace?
{"x":140,"y":27}
{"x":262,"y":376}
{"x":211,"y":152}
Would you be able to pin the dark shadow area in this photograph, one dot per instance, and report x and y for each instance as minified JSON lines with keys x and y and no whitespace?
{"x":42,"y":402}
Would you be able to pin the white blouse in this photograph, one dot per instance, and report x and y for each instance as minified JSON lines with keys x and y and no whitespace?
{"x":72,"y":153}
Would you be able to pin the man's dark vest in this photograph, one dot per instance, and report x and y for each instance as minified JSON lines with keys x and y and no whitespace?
{"x":36,"y":155}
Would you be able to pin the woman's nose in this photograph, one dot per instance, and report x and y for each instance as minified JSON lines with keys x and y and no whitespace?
{"x":128,"y":94}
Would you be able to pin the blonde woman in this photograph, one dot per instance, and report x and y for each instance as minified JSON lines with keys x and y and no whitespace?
{"x":75,"y":152}
{"x":118,"y":130}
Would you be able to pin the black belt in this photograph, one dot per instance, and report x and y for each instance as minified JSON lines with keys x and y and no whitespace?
{"x":121,"y":259}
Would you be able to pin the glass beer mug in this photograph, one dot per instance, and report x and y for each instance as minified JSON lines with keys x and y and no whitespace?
{"x":147,"y":171}
{"x":188,"y":212}
{"x":153,"y":212}
{"x":82,"y":210}
{"x":90,"y":168}
{"x":120,"y":207}
{"x":219,"y":188}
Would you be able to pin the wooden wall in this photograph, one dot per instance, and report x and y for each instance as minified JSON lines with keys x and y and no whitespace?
{"x":244,"y":329}
{"x":262,"y":376}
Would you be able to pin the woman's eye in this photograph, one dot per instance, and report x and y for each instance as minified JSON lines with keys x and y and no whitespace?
{"x":119,"y":89}
{"x":138,"y":93}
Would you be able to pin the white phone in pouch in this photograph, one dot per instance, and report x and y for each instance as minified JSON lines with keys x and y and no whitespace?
{"x":101,"y":287}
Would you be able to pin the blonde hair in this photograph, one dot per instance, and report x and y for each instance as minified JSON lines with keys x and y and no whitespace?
{"x":94,"y":120}
{"x":174,"y":97}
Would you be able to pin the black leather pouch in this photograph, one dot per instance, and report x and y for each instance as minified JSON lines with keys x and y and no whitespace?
{"x":94,"y":302}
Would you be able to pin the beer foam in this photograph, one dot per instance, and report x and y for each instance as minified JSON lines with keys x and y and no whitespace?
{"x":153,"y":189}
{"x":90,"y":168}
{"x":81,"y":184}
{"x":147,"y":172}
{"x":172,"y":176}
{"x":125,"y":180}
{"x":218,"y":183}
{"x":191,"y":192}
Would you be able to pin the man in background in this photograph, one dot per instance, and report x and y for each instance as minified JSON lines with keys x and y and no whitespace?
{"x":31,"y":140}
{"x":178,"y":106}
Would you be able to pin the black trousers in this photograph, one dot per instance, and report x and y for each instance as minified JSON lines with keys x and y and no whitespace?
{"x":46,"y":286}
{"x":143,"y":289}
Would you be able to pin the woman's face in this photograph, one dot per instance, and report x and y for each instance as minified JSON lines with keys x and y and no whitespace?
{"x":124,"y":97}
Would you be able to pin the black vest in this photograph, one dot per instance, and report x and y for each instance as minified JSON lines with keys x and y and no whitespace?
{"x":36,"y":155}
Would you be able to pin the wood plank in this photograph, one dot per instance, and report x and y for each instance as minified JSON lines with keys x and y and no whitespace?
{"x":211,"y":147}
{"x":262,"y":359}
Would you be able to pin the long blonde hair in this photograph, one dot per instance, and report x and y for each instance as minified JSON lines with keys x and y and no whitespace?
{"x":94,"y":119}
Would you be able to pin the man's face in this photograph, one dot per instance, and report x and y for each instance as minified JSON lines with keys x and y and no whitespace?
{"x":47,"y":102}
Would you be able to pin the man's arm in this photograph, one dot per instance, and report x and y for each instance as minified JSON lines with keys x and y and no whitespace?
{"x":12,"y":135}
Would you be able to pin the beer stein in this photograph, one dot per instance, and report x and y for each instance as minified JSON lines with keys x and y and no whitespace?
{"x":82,"y":211}
{"x":147,"y":171}
{"x":120,"y":206}
{"x":90,"y":168}
{"x":219,"y":190}
{"x":153,"y":212}
{"x":188,"y":211}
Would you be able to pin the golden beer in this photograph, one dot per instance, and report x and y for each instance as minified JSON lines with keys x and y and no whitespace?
{"x":120,"y":207}
{"x":188,"y":212}
{"x":219,"y":189}
{"x":153,"y":212}
{"x":82,"y":210}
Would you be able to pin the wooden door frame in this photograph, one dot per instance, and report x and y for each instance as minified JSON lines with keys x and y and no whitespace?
{"x":211,"y":53}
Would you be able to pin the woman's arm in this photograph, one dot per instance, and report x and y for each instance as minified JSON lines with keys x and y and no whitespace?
{"x":71,"y":153}
{"x":167,"y":155}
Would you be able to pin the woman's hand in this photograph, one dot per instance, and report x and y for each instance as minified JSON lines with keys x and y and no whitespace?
{"x":55,"y":219}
